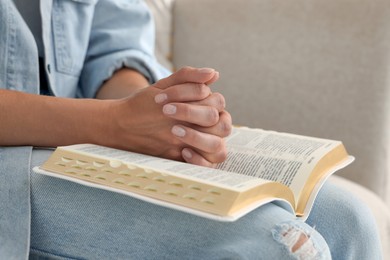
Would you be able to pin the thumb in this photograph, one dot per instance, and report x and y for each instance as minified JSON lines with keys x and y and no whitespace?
{"x":186,"y":75}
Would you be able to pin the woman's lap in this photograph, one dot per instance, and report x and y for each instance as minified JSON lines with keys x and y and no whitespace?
{"x":73,"y":221}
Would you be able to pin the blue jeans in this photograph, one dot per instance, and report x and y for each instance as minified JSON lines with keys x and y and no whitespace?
{"x":70,"y":221}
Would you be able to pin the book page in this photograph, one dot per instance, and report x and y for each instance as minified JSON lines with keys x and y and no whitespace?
{"x":205,"y":174}
{"x":285,"y":158}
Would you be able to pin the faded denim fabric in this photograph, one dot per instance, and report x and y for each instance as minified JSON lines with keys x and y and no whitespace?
{"x":18,"y":52}
{"x":18,"y":71}
{"x":71,"y":221}
{"x":85,"y":41}
{"x":14,"y":202}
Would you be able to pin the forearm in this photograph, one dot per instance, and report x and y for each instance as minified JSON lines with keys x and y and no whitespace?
{"x":28,"y":119}
{"x":138,"y":123}
{"x":122,"y":84}
{"x":49,"y":121}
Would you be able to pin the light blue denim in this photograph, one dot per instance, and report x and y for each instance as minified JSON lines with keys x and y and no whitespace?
{"x":85,"y":41}
{"x":71,"y":221}
{"x":46,"y":218}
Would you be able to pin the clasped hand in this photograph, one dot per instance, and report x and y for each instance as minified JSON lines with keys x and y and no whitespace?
{"x":177,"y":118}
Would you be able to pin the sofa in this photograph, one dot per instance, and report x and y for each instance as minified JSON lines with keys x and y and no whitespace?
{"x":319,"y":68}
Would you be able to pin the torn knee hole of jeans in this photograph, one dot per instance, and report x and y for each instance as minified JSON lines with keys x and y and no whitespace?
{"x":296,"y":240}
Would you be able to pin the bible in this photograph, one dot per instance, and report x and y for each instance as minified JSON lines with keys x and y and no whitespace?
{"x":261,"y":167}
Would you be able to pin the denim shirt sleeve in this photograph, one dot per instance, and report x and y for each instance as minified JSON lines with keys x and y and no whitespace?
{"x":122,"y":35}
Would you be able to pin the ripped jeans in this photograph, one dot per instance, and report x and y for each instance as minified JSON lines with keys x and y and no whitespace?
{"x":70,"y":221}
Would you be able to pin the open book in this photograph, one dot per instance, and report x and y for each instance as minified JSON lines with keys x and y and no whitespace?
{"x":262,"y":166}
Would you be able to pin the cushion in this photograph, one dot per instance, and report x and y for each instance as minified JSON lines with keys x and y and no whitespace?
{"x":162,"y":13}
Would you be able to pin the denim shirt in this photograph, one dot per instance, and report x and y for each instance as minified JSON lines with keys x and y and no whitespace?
{"x":85,"y":41}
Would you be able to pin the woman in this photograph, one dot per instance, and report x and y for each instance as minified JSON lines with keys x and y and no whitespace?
{"x":76,"y":53}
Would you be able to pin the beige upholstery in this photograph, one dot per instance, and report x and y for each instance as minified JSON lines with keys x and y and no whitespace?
{"x":162,"y":13}
{"x":312,"y":67}
{"x":318,"y":68}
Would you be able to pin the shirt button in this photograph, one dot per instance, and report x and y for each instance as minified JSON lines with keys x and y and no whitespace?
{"x":48,"y":68}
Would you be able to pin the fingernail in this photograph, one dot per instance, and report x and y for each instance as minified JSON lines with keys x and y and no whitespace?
{"x":186,"y":153}
{"x":160,"y":98}
{"x":178,"y":131}
{"x":169,"y":109}
{"x":206,"y":70}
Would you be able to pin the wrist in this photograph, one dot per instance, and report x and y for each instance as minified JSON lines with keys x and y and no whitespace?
{"x":100,"y":123}
{"x":130,"y":122}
